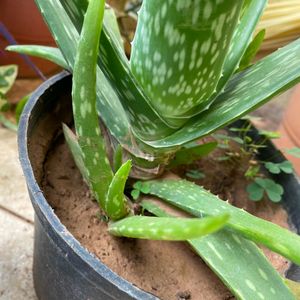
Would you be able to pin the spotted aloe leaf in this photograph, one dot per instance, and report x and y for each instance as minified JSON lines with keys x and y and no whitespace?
{"x":247,"y":273}
{"x":50,"y":53}
{"x":116,"y":204}
{"x":164,"y":228}
{"x":245,"y":92}
{"x":118,"y":91}
{"x":179,"y":51}
{"x":242,"y":37}
{"x":197,"y":201}
{"x":86,"y":121}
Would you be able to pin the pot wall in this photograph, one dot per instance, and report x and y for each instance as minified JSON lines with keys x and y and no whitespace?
{"x":62,"y":268}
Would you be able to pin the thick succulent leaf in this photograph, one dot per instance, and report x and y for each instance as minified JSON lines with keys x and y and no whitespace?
{"x":245,"y":92}
{"x":67,"y":36}
{"x":114,"y":64}
{"x":50,"y":53}
{"x":250,"y":15}
{"x":86,"y":121}
{"x":116,"y":203}
{"x":242,"y":38}
{"x":168,"y":229}
{"x":237,"y":262}
{"x":76,"y":151}
{"x":111,"y":23}
{"x":197,"y":201}
{"x":179,"y":51}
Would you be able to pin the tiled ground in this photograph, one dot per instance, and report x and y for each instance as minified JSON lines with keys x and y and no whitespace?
{"x":16,"y":225}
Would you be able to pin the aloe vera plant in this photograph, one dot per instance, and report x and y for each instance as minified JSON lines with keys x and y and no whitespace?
{"x":183,"y":81}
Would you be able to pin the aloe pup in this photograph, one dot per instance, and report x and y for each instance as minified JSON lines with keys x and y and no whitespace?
{"x":183,"y":82}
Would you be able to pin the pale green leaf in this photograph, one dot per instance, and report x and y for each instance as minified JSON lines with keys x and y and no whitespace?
{"x":45,"y":52}
{"x":237,"y":262}
{"x":197,"y":201}
{"x":168,"y":229}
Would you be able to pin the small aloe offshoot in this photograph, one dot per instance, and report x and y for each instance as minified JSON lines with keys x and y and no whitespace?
{"x":183,"y":82}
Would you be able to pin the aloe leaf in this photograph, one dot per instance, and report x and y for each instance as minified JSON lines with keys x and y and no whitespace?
{"x":89,"y":135}
{"x":118,"y":89}
{"x":116,"y":203}
{"x":188,"y":154}
{"x":250,"y":15}
{"x":168,"y":229}
{"x":294,"y":286}
{"x":241,"y":38}
{"x":118,"y":157}
{"x":237,"y":262}
{"x":111,"y":24}
{"x":245,"y":92}
{"x":197,"y":201}
{"x":76,"y":151}
{"x":179,"y":50}
{"x":50,"y":53}
{"x":252,"y":50}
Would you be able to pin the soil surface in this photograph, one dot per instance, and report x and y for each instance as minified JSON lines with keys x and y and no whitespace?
{"x":170,"y":270}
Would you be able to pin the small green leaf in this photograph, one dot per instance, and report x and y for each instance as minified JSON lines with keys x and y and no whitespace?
{"x":276,"y":168}
{"x":287,"y":167}
{"x":270,"y":134}
{"x":252,"y":172}
{"x":293,"y":151}
{"x":167,"y":229}
{"x":195,"y":174}
{"x":118,"y":157}
{"x":116,"y":204}
{"x":273,"y":190}
{"x":273,"y":167}
{"x":252,"y":50}
{"x":8,"y":76}
{"x":255,"y":191}
{"x":188,"y":154}
{"x":135,"y":194}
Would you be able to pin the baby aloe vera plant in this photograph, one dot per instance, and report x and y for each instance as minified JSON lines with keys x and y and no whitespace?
{"x":183,"y":82}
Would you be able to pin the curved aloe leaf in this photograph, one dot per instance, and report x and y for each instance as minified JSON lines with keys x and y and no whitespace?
{"x":67,"y":37}
{"x":50,"y":53}
{"x":115,"y":203}
{"x":90,"y":140}
{"x":245,"y":92}
{"x":168,"y":229}
{"x":237,"y":262}
{"x":117,"y":84}
{"x":241,"y":38}
{"x":178,"y":53}
{"x":197,"y":201}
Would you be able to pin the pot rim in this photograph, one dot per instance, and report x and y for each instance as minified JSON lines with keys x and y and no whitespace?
{"x":43,"y":209}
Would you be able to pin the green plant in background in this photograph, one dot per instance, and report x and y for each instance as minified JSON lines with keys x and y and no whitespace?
{"x":8,"y":76}
{"x":181,"y":84}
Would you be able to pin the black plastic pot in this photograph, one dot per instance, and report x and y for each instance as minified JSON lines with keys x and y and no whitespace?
{"x":63,"y":269}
